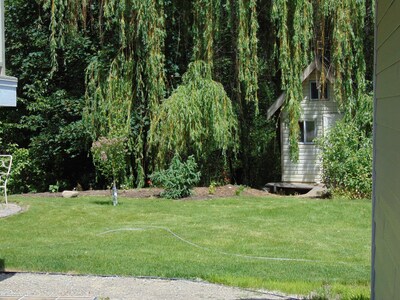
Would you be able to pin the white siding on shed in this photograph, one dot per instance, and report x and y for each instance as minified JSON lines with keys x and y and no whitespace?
{"x":308,"y":168}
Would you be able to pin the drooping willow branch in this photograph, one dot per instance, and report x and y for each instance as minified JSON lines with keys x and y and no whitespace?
{"x":207,"y":28}
{"x":294,"y":55}
{"x":197,"y":118}
{"x":247,"y":44}
{"x":125,"y":81}
{"x":344,"y":51}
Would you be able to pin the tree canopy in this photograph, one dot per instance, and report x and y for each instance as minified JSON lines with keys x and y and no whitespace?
{"x":166,"y":76}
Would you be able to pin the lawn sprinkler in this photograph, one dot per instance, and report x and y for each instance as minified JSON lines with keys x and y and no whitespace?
{"x":114,"y":195}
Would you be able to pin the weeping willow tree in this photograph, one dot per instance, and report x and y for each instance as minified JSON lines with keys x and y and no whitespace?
{"x":209,"y":17}
{"x":329,"y":30}
{"x":247,"y":59}
{"x":348,"y":51}
{"x":198,"y":119}
{"x":226,"y":30}
{"x":294,"y":54}
{"x":125,"y":81}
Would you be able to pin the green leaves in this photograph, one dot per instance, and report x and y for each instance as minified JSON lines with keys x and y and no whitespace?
{"x":197,"y":118}
{"x":109,"y":157}
{"x":331,"y":32}
{"x":125,"y":81}
{"x":127,"y":47}
{"x":347,"y":153}
{"x":295,"y":30}
{"x":247,"y":49}
{"x":178,"y":179}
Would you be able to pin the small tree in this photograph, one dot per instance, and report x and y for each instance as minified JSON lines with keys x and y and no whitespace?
{"x":197,"y":119}
{"x":109,"y":156}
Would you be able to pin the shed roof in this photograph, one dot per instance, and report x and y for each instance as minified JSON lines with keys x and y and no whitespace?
{"x":316,"y":64}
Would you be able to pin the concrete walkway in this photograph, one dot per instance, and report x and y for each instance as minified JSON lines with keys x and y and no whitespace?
{"x":30,"y":286}
{"x":9,"y":209}
{"x":45,"y":298}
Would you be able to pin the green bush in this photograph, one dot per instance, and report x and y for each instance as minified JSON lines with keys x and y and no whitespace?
{"x":212,"y":187}
{"x":347,"y":161}
{"x":179,"y":179}
{"x":22,"y":171}
{"x":347,"y":153}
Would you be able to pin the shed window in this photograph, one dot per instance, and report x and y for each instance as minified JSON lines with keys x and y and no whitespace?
{"x":316,"y":90}
{"x":308,"y":132}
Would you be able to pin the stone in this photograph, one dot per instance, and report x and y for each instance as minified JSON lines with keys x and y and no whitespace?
{"x":70,"y":194}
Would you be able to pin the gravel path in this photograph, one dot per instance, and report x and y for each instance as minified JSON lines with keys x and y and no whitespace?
{"x":55,"y":285}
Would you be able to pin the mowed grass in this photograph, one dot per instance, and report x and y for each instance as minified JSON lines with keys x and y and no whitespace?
{"x":288,"y":244}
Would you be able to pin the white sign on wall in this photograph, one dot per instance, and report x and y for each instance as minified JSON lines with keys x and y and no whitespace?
{"x":8,"y":85}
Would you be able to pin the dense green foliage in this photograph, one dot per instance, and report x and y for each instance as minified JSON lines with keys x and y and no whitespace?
{"x":45,"y":133}
{"x":117,"y":69}
{"x":347,"y":153}
{"x":347,"y":161}
{"x":198,"y":118}
{"x":179,"y":179}
{"x":335,"y":32}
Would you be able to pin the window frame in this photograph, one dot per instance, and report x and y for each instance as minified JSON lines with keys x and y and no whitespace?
{"x":319,"y":93}
{"x":303,"y":132}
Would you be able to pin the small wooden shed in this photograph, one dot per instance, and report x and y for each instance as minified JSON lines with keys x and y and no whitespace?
{"x":319,"y":112}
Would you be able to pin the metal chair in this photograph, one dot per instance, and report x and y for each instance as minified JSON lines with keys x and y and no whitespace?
{"x":5,"y":168}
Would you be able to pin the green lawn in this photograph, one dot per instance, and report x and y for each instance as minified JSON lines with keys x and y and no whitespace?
{"x":287,"y":244}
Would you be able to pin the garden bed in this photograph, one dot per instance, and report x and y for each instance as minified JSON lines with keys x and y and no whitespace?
{"x":199,"y":193}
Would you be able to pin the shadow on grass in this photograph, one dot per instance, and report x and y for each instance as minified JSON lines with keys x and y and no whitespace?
{"x":3,"y":274}
{"x":271,"y":296}
{"x":106,"y":203}
{"x":359,"y":297}
{"x":274,"y":298}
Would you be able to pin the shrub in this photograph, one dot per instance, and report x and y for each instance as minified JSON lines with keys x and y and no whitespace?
{"x":347,"y":153}
{"x":178,"y":179}
{"x":212,"y":188}
{"x":240,"y":190}
{"x":347,"y":161}
{"x":24,"y":172}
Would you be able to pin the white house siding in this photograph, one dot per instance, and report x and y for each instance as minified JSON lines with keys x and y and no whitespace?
{"x":8,"y":85}
{"x":386,"y":220}
{"x":2,"y":40}
{"x":308,"y":168}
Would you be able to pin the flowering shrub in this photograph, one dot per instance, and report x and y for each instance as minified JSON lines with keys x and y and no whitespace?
{"x":109,"y":156}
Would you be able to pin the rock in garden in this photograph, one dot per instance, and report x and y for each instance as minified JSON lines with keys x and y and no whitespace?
{"x":70,"y":194}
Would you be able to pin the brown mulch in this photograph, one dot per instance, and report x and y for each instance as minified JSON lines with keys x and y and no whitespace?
{"x":199,"y":193}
